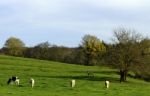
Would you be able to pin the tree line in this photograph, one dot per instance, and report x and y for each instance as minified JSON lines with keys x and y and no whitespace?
{"x":129,"y":52}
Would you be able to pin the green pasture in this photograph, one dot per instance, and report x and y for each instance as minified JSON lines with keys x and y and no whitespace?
{"x":53,"y":79}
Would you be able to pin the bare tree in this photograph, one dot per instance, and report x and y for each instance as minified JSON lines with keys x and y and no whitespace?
{"x":125,"y":52}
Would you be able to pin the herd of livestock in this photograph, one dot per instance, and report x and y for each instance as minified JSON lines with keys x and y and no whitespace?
{"x":15,"y":80}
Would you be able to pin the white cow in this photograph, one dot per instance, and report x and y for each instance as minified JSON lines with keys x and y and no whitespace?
{"x":31,"y":82}
{"x":73,"y":83}
{"x":17,"y":81}
{"x":107,"y":84}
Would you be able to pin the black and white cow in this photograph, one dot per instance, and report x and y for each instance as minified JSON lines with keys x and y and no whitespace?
{"x":13,"y":79}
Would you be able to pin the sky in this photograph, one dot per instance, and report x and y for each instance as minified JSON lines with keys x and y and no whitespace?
{"x":65,"y":22}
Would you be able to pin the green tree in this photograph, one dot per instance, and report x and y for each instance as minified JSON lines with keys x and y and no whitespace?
{"x":40,"y":51}
{"x":145,"y":43}
{"x":125,"y":54}
{"x":143,"y":68}
{"x":92,"y":47}
{"x":14,"y":46}
{"x":44,"y":45}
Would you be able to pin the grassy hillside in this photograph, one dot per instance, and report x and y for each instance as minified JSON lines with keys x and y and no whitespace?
{"x":52,"y":79}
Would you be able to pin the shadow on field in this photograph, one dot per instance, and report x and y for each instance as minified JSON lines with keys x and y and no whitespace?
{"x":84,"y":76}
{"x":96,"y":78}
{"x":97,"y":72}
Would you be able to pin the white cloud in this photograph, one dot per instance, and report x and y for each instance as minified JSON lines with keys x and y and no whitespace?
{"x":97,"y":17}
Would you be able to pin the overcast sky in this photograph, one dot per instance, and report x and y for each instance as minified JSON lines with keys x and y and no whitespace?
{"x":65,"y":22}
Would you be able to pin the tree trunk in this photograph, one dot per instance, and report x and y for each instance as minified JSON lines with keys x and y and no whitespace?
{"x":123,"y":75}
{"x":88,"y":60}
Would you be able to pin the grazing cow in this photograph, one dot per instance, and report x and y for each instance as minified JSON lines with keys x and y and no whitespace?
{"x":107,"y":84}
{"x":13,"y":79}
{"x":73,"y":83}
{"x":31,"y":82}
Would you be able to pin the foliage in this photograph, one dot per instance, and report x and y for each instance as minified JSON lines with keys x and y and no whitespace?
{"x":14,"y":46}
{"x":92,"y":48}
{"x":46,"y":51}
{"x":126,"y":53}
{"x":143,"y":68}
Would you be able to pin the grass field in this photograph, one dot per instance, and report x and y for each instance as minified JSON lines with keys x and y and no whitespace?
{"x":52,"y":79}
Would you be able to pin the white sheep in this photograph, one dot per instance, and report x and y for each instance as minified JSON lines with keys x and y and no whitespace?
{"x":31,"y":82}
{"x":73,"y":83}
{"x":107,"y":84}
